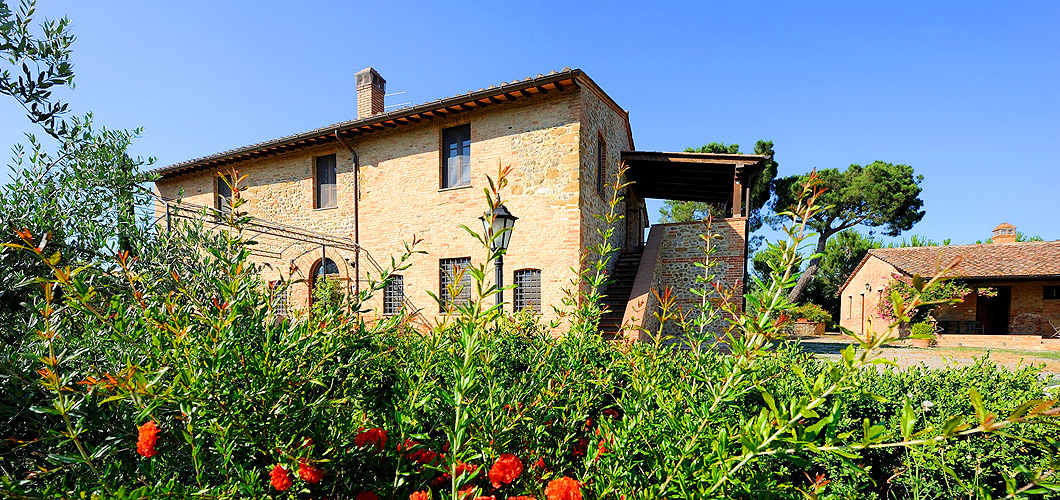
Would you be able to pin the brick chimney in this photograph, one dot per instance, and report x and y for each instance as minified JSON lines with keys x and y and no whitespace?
{"x":370,"y":90}
{"x":1004,"y":233}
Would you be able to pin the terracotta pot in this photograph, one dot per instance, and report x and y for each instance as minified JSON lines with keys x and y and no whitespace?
{"x":804,"y":328}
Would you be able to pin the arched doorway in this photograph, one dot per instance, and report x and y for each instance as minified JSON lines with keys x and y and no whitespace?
{"x":322,"y":268}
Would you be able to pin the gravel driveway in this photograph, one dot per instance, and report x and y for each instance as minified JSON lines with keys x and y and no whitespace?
{"x":941,"y":357}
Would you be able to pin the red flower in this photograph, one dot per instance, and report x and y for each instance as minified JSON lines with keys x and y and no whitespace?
{"x":423,"y":456}
{"x":369,"y":437}
{"x":308,"y":473}
{"x":564,"y":488}
{"x":539,"y":464}
{"x":408,"y":445}
{"x":145,"y":444}
{"x":521,"y":497}
{"x":280,"y":479}
{"x":612,"y":413}
{"x":505,"y":470}
{"x":462,"y":467}
{"x":366,"y":495}
{"x":466,"y":492}
{"x":420,"y":495}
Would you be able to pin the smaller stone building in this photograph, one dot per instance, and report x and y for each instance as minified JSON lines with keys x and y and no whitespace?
{"x":1015,"y":296}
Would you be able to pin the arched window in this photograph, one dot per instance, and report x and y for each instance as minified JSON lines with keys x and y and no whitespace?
{"x":321,"y":269}
{"x":325,"y":267}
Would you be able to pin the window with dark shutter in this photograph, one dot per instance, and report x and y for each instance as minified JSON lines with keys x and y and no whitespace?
{"x":456,"y":156}
{"x":1051,"y":292}
{"x":394,"y":295}
{"x":224,"y":194}
{"x":601,"y":164}
{"x":454,"y":282}
{"x":326,"y":175}
{"x":527,"y":290}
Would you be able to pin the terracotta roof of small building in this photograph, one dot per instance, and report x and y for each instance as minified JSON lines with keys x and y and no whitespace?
{"x":987,"y":260}
{"x":554,"y":81}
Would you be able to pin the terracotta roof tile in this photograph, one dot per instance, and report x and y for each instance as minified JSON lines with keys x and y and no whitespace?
{"x":988,"y":260}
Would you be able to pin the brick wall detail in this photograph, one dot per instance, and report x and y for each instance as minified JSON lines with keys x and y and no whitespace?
{"x":670,"y":257}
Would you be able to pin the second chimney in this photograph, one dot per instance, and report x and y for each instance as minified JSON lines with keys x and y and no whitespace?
{"x":1004,"y":233}
{"x":370,"y":91}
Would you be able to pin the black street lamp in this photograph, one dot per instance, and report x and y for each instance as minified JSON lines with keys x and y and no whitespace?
{"x":497,"y":227}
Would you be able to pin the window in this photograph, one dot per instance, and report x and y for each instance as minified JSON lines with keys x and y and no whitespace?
{"x":850,"y":306}
{"x":322,"y":269}
{"x":280,"y":296}
{"x":601,"y":164}
{"x":449,"y":271}
{"x":528,"y":290}
{"x":394,"y":295}
{"x":224,"y":194}
{"x":1051,"y":292}
{"x":326,"y":174}
{"x":456,"y":156}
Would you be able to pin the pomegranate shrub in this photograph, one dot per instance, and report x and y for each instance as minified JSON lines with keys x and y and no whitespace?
{"x":132,"y":382}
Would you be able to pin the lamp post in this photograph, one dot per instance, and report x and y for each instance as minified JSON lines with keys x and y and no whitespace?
{"x":497,"y":227}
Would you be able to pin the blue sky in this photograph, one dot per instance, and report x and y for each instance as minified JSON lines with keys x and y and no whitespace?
{"x":965,"y":92}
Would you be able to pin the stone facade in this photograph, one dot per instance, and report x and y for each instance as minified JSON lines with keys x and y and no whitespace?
{"x":548,"y":140}
{"x":669,"y":262}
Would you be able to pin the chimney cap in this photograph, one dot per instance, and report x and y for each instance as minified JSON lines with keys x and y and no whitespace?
{"x":370,"y":77}
{"x":1004,"y":225}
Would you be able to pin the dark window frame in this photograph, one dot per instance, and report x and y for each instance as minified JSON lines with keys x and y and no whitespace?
{"x":223,"y":194}
{"x":456,"y":137}
{"x":527,"y":292}
{"x":447,"y":271}
{"x":394,"y":295}
{"x":281,"y":297}
{"x":315,"y":274}
{"x":322,"y":199}
{"x":601,"y":163}
{"x":1051,"y":292}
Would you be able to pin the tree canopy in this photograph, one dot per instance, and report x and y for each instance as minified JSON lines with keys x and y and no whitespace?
{"x":878,"y":195}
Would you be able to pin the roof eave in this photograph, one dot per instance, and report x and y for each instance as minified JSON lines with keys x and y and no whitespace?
{"x":376,"y":122}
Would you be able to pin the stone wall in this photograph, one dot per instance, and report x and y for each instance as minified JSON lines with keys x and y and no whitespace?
{"x":600,"y":119}
{"x":541,"y":138}
{"x":669,"y":262}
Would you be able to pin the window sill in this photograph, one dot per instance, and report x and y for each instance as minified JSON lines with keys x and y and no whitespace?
{"x":326,"y":208}
{"x":454,"y":188}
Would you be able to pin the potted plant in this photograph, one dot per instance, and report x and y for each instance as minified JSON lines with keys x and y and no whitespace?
{"x":811,"y":321}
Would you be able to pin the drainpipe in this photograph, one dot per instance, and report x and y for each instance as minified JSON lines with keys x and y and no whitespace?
{"x":356,"y":214}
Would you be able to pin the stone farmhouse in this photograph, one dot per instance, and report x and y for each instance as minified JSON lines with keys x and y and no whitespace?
{"x":1015,"y":298}
{"x":385,"y":177}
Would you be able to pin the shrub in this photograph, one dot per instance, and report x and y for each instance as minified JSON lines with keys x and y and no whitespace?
{"x":161,"y":389}
{"x":922,"y":329}
{"x":812,"y":312}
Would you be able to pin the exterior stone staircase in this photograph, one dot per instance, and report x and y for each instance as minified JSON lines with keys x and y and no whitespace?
{"x":617,"y":293}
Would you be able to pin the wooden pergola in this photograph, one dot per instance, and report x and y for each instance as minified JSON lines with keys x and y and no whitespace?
{"x":714,"y":178}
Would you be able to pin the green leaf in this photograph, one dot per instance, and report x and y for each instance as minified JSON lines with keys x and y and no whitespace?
{"x":977,"y":403}
{"x":908,"y":419}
